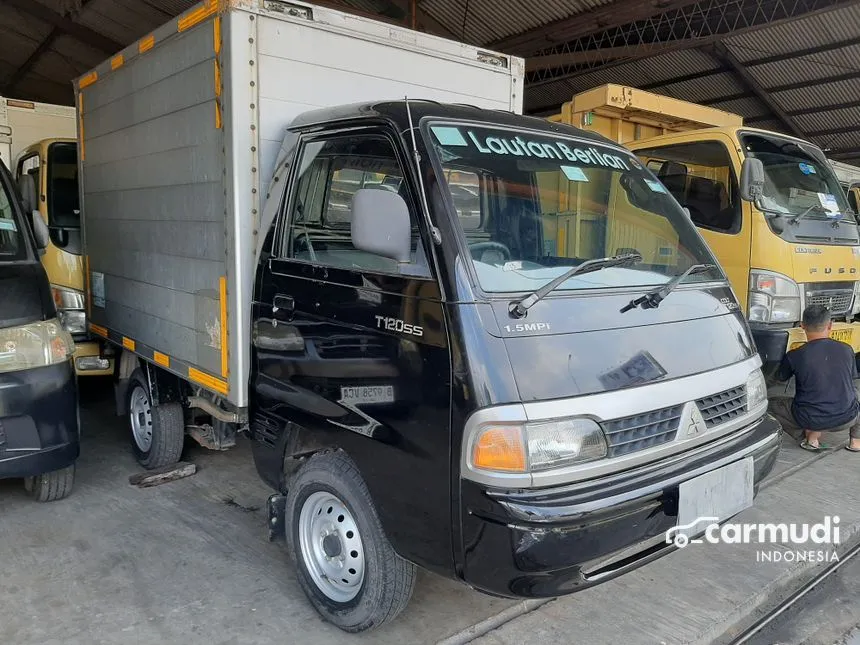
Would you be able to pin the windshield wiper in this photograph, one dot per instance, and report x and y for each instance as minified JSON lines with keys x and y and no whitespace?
{"x":519,"y":309}
{"x":652,"y":299}
{"x":815,"y":207}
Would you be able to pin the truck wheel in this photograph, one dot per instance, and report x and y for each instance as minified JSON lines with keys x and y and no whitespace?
{"x":344,"y":562}
{"x":49,"y":487}
{"x":157,"y":433}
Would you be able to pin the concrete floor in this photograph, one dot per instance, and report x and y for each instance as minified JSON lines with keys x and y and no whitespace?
{"x":188,"y":562}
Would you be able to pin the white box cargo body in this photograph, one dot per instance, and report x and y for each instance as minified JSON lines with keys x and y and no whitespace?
{"x":179,"y":136}
{"x":25,"y":122}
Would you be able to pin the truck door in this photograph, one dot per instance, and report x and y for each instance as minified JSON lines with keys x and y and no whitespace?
{"x":352,"y":346}
{"x":703,"y":178}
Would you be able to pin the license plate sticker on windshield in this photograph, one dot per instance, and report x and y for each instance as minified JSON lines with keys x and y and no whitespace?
{"x":367,"y":394}
{"x":715,"y":496}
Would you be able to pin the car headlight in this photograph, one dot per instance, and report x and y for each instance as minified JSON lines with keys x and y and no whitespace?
{"x":531,"y":447}
{"x":756,"y":389}
{"x":70,"y":309}
{"x":773,"y":298}
{"x":65,"y":298}
{"x":35,"y":345}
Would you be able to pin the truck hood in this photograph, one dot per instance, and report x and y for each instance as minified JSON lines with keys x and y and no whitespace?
{"x":24,"y":294}
{"x":575,"y":345}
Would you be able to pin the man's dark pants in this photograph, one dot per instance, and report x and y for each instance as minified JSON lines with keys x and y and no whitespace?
{"x":781,"y":409}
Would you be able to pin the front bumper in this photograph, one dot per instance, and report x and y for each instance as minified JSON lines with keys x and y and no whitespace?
{"x":773,"y":344}
{"x":549,"y":542}
{"x":39,"y":429}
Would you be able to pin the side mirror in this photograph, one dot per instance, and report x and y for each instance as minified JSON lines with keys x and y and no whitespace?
{"x":40,"y":231}
{"x":752,"y":179}
{"x":380,"y":224}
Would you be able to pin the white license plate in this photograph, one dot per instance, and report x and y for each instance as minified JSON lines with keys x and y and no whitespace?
{"x":367,"y":394}
{"x":715,"y":496}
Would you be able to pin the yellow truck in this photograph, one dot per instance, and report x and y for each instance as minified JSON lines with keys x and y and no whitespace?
{"x":38,"y":143}
{"x":788,"y":242}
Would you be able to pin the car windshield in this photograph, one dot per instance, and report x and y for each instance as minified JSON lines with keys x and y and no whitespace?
{"x":12,"y":246}
{"x":797,"y":178}
{"x":531,"y":205}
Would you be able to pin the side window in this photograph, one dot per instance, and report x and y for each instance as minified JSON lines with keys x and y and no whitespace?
{"x":466,"y":190}
{"x":331,"y":171}
{"x":28,"y":179}
{"x":700,"y":176}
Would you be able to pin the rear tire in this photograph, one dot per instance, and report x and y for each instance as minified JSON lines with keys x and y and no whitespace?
{"x":52,"y":486}
{"x":344,"y":562}
{"x":157,"y":433}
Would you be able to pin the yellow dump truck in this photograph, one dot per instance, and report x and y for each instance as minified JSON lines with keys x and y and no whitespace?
{"x":789,"y":243}
{"x":37,"y":140}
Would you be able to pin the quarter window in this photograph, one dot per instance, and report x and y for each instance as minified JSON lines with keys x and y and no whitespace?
{"x":700,"y":177}
{"x":331,"y":171}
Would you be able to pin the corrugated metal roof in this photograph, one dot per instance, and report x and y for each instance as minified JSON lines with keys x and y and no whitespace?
{"x":820,"y":95}
{"x":489,"y":20}
{"x":808,"y":68}
{"x":818,"y":29}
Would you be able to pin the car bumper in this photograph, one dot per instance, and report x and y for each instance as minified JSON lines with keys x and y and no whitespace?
{"x":549,"y":542}
{"x":39,"y":429}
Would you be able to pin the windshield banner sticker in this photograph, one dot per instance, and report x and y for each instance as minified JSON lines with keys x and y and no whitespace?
{"x":449,"y":136}
{"x":573,"y":173}
{"x":521,"y":147}
{"x":807,"y":168}
{"x":7,"y":225}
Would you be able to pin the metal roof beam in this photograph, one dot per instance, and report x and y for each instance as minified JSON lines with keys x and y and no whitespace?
{"x":40,"y":51}
{"x":585,"y":23}
{"x":764,"y":60}
{"x":551,"y":61}
{"x":66,"y":25}
{"x":848,"y":76}
{"x":723,"y":54}
{"x":845,"y":129}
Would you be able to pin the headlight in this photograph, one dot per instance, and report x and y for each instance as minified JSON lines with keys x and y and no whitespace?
{"x":773,"y":298}
{"x":70,"y":309}
{"x":74,"y":322}
{"x":67,"y":298}
{"x":530,"y":447}
{"x":35,"y":345}
{"x":756,"y":390}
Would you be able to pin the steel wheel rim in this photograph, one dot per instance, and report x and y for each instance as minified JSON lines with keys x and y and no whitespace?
{"x":331,"y":546}
{"x":140,"y":416}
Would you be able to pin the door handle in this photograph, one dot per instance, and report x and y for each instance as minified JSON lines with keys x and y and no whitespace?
{"x":284,"y":305}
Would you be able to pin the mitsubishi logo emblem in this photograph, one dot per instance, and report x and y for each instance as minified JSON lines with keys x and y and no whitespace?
{"x":696,"y":426}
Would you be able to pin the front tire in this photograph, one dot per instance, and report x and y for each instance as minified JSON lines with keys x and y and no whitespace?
{"x":157,"y":432}
{"x":345,"y":563}
{"x":52,"y":486}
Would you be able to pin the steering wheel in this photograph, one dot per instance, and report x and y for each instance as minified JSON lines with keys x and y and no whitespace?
{"x":306,"y":237}
{"x":478,"y":248}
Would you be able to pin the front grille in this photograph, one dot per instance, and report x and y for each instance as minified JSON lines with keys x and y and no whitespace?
{"x":641,"y":431}
{"x":723,"y":406}
{"x":836,"y":296}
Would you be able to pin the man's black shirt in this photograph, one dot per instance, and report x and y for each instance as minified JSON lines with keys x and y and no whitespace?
{"x":824,"y":371}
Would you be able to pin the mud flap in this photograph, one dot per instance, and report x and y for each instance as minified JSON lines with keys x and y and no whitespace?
{"x":276,"y":510}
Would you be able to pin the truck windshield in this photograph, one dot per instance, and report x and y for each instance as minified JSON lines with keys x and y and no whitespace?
{"x":12,"y":247}
{"x":797,"y":178}
{"x":531,"y":205}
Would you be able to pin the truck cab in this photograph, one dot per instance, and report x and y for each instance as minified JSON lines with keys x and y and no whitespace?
{"x":794,"y":245}
{"x":47,"y":175}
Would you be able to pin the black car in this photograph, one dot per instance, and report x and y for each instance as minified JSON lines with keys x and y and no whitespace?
{"x":39,"y":430}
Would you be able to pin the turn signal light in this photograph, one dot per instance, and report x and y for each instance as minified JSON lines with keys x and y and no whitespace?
{"x":500,"y":448}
